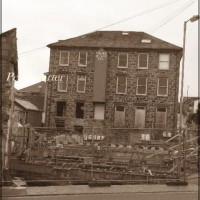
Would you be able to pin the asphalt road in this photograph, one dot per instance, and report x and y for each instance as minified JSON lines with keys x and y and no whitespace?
{"x":124,"y":196}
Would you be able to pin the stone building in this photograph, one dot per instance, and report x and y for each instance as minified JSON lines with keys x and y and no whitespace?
{"x":9,"y":73}
{"x":122,"y":84}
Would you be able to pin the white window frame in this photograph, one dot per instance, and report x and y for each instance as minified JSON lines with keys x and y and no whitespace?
{"x":60,"y":64}
{"x":118,"y":66}
{"x":79,"y":64}
{"x":59,"y":90}
{"x":117,"y":86}
{"x":141,"y":85}
{"x":139,"y":61}
{"x":81,"y":79}
{"x":164,"y":61}
{"x":158,"y":86}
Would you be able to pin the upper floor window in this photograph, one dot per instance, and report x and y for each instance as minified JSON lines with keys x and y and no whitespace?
{"x":143,"y":59}
{"x":121,"y":85}
{"x":63,"y":83}
{"x":82,"y":59}
{"x":163,"y":61}
{"x":162,"y":89}
{"x":122,"y":60}
{"x":141,"y":86}
{"x":64,"y":58}
{"x":81,"y":83}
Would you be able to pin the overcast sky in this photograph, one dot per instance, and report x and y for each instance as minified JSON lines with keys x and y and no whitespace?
{"x":41,"y":22}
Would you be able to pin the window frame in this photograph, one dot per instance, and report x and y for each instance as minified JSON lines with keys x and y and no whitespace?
{"x":138,"y":66}
{"x":78,"y":115}
{"x":95,"y":106}
{"x":79,"y":79}
{"x":158,"y":86}
{"x":118,"y":85}
{"x":118,"y":66}
{"x":159,"y":61}
{"x":124,"y":115}
{"x":141,"y":85}
{"x":136,"y":108}
{"x":66,"y":85}
{"x":79,"y":64}
{"x":60,"y":64}
{"x":166,"y":110}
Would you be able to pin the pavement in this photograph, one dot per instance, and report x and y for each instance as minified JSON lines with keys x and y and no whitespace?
{"x":85,"y":190}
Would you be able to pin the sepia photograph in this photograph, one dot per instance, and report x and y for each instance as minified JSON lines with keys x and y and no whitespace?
{"x":100,"y":100}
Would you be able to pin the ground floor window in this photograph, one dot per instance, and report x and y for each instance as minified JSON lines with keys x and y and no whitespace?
{"x":140,"y":113}
{"x":119,"y":115}
{"x":161,"y":117}
{"x":99,"y":111}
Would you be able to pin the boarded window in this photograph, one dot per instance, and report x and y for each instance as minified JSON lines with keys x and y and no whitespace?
{"x":163,"y":61}
{"x":64,"y":58}
{"x":140,"y":117}
{"x":123,"y":60}
{"x":99,"y":110}
{"x":81,"y":82}
{"x":63,"y":83}
{"x":121,"y":85}
{"x":143,"y":60}
{"x":162,"y":87}
{"x":79,"y":110}
{"x":119,"y":116}
{"x":161,"y":117}
{"x":82,"y":61}
{"x":141,"y":86}
{"x":61,"y":107}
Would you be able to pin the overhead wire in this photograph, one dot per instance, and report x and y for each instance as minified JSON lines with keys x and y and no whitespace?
{"x":171,"y":16}
{"x":120,"y":21}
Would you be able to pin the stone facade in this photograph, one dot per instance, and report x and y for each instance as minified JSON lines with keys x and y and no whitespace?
{"x":151,"y":101}
{"x":9,"y":65}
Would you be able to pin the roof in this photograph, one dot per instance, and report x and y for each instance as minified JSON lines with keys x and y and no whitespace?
{"x":116,"y":39}
{"x":26,"y":104}
{"x":8,"y":32}
{"x":36,"y":88}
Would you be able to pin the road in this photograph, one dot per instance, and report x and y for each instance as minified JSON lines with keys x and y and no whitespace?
{"x":126,"y":196}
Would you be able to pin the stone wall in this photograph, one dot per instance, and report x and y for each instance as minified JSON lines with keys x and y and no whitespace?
{"x":9,"y":65}
{"x":130,"y":100}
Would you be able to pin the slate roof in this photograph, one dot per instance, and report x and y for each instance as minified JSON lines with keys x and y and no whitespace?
{"x":26,"y":104}
{"x":116,"y":39}
{"x":36,"y":88}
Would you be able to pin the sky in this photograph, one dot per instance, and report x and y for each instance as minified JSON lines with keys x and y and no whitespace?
{"x":41,"y":22}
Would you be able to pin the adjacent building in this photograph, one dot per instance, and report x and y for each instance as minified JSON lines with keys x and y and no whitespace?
{"x":121,"y":84}
{"x":9,"y":74}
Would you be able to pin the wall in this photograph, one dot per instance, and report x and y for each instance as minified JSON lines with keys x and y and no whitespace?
{"x":130,"y":100}
{"x":9,"y":63}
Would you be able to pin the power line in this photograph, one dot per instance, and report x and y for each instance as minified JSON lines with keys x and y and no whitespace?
{"x":118,"y":22}
{"x":172,"y":16}
{"x":139,"y":14}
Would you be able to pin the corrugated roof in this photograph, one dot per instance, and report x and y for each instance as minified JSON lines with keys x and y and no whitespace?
{"x":116,"y":39}
{"x":36,"y":88}
{"x":26,"y":104}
